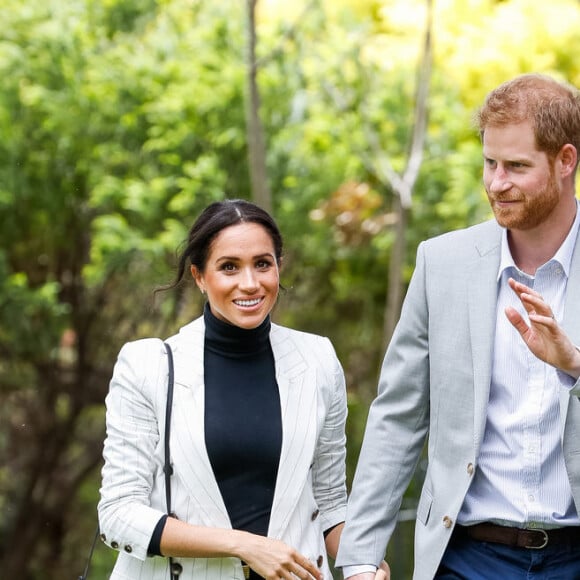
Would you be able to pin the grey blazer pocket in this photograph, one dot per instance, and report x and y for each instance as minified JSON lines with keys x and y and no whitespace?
{"x":424,"y":507}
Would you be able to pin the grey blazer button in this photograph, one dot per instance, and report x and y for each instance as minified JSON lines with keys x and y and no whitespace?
{"x":447,"y":522}
{"x":470,"y":468}
{"x":319,"y":561}
{"x":128,"y":549}
{"x":314,"y":514}
{"x":114,"y":544}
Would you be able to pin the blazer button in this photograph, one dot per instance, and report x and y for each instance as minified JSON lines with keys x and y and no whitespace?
{"x":319,"y":561}
{"x":128,"y":549}
{"x":114,"y":545}
{"x":447,"y":522}
{"x":176,"y":568}
{"x":314,"y":514}
{"x":470,"y":468}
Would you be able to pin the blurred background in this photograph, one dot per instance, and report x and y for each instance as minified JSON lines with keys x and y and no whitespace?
{"x":351,"y":120}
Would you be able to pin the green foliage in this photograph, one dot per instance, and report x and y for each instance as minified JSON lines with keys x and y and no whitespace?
{"x":121,"y":119}
{"x":24,"y":311}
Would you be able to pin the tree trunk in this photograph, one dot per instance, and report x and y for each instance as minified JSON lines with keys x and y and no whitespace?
{"x":403,"y":186}
{"x":255,"y":132}
{"x":395,"y":288}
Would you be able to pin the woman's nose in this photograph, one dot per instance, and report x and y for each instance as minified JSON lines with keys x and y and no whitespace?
{"x":248,"y":280}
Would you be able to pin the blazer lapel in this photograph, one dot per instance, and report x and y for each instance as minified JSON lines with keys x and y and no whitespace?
{"x":299,"y":406}
{"x":482,"y":304}
{"x":571,"y":320}
{"x":298,"y":401}
{"x":189,"y":454}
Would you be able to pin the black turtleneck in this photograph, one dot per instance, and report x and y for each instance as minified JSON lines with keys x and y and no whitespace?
{"x":243,"y":424}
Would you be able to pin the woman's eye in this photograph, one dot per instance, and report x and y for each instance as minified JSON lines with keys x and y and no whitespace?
{"x":228,"y":267}
{"x":262,"y":264}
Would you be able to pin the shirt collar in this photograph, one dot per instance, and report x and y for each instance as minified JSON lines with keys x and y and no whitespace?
{"x":563,"y":256}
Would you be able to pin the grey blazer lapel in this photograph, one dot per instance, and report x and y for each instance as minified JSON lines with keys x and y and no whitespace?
{"x":298,"y":400}
{"x":571,"y":319}
{"x":482,"y":303}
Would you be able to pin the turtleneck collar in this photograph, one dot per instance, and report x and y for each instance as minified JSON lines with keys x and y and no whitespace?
{"x":232,"y":341}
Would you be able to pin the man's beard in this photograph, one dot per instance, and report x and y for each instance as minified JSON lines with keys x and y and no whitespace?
{"x":530,"y":211}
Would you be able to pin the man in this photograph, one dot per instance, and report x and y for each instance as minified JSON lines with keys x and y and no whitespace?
{"x":483,"y":362}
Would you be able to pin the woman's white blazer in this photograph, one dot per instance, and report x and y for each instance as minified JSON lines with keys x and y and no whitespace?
{"x":310,"y":493}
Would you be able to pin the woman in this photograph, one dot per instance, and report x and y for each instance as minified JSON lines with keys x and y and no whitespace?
{"x":257,"y":428}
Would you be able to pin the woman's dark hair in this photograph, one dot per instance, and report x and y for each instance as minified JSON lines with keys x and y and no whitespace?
{"x":215,"y":218}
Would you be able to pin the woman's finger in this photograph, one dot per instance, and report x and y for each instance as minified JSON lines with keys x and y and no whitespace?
{"x":384,"y":572}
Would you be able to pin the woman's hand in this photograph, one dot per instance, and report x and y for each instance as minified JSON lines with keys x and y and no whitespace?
{"x":274,"y":560}
{"x":384,"y":572}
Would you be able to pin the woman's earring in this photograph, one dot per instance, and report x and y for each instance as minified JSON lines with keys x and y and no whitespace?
{"x":202,"y":291}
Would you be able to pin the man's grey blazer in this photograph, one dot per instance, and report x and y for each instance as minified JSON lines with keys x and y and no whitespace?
{"x":435,"y":382}
{"x":310,"y":494}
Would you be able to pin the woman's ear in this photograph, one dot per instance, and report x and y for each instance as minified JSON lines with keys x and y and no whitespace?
{"x":198,"y":277}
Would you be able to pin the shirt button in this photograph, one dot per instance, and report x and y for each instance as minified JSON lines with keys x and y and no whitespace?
{"x":470,"y":468}
{"x":103,"y":537}
{"x":128,"y":549}
{"x":114,"y":545}
{"x":314,"y":514}
{"x":319,"y":561}
{"x":447,"y":522}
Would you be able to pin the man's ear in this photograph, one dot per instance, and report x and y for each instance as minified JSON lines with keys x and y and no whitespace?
{"x":568,"y":157}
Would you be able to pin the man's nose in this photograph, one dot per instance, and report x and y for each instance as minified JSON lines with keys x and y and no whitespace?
{"x":499,"y":181}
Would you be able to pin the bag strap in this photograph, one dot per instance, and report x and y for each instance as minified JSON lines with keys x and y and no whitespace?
{"x":167,"y":467}
{"x":175,"y":568}
{"x":85,"y":573}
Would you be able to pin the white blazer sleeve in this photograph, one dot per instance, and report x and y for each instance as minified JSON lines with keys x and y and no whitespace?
{"x":328,"y":469}
{"x":126,"y":518}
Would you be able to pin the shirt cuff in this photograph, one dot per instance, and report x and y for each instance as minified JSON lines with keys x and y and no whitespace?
{"x":348,"y":571}
{"x":566,"y":380}
{"x":154,"y":548}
